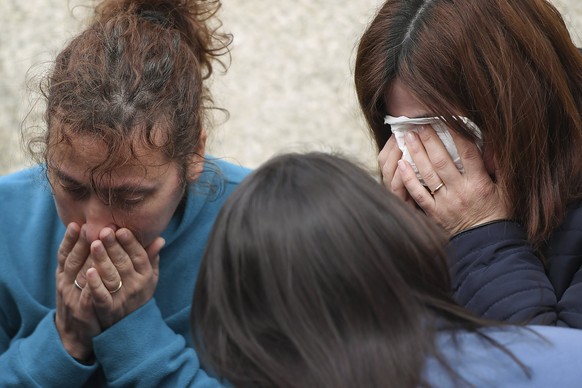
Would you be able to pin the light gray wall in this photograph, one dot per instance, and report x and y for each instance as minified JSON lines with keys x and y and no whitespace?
{"x":289,"y":86}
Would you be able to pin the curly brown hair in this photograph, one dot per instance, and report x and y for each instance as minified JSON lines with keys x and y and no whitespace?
{"x":136,"y":71}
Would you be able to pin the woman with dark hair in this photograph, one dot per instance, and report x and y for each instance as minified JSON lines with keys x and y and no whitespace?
{"x":505,"y":78}
{"x":119,"y":206}
{"x":315,"y":276}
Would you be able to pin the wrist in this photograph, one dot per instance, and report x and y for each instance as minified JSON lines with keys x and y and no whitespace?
{"x":79,"y":353}
{"x":71,"y":344}
{"x":86,"y":361}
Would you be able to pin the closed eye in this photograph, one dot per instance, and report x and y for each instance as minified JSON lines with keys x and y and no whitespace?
{"x":133,"y":200}
{"x":124,"y":201}
{"x":76,"y":192}
{"x":130,"y":202}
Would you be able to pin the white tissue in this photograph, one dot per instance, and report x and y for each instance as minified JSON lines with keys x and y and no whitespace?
{"x":402,"y":124}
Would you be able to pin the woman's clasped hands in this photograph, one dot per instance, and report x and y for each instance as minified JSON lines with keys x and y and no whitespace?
{"x":457,"y":201}
{"x":101,"y":282}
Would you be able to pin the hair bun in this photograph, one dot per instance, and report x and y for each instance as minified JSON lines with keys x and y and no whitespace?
{"x":191,"y":18}
{"x":162,"y":12}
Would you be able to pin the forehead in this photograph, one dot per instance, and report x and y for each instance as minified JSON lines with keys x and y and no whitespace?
{"x":83,"y":154}
{"x":401,"y":101}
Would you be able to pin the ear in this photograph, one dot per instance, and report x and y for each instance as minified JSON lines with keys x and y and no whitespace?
{"x":196,"y":162}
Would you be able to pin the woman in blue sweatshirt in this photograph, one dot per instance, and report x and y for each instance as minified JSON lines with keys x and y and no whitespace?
{"x":315,"y":276}
{"x":119,"y":207}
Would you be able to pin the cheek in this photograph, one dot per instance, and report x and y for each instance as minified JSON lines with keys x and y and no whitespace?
{"x":151,"y":220}
{"x":147,"y":226}
{"x":68,"y":210}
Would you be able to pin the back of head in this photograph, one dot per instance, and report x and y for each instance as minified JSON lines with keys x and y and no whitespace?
{"x":135,"y":74}
{"x":315,"y":276}
{"x":509,"y":66}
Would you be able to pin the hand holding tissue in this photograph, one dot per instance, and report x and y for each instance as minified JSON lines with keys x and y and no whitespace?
{"x":402,"y":124}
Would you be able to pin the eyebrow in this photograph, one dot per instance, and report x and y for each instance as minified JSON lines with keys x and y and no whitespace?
{"x":121,"y":189}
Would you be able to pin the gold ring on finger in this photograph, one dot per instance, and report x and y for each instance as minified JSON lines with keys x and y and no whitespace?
{"x":118,"y":287}
{"x":437,"y":188}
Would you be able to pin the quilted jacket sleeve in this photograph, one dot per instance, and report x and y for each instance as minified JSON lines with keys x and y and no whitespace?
{"x":497,"y":275}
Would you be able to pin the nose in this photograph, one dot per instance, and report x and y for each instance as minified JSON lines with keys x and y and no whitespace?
{"x":97,"y":216}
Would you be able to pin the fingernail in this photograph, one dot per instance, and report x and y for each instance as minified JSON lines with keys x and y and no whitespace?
{"x":90,"y":273}
{"x":410,"y":137}
{"x":84,"y":231}
{"x":109,"y":236}
{"x":401,"y":165}
{"x":97,"y":246}
{"x":122,"y":234}
{"x":70,"y":230}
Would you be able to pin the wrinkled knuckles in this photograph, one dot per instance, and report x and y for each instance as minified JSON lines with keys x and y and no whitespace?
{"x":382,"y":157}
{"x":62,"y":255}
{"x":386,"y":174}
{"x":394,"y":187}
{"x":440,"y":163}
{"x":70,"y":266}
{"x":63,"y":286}
{"x":471,"y":153}
{"x":427,"y":134}
{"x":431,"y":176}
{"x":423,"y":200}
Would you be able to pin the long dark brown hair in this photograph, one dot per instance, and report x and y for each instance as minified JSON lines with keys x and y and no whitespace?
{"x":315,"y":276}
{"x":508,"y":65}
{"x":139,"y":66}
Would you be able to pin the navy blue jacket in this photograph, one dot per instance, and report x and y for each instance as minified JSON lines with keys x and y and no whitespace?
{"x":497,"y":275}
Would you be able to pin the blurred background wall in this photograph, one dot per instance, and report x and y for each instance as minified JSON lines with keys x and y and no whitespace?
{"x":289,"y":86}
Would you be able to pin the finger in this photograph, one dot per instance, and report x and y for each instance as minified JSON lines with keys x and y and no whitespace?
{"x":104,"y":266}
{"x":440,"y":158}
{"x":390,"y":152}
{"x":399,"y":189}
{"x":76,"y":257}
{"x":86,"y":301}
{"x":388,"y":159}
{"x":102,"y":298}
{"x":81,"y":278}
{"x":417,"y":191}
{"x":470,"y":155}
{"x":137,"y":253}
{"x":72,"y":234}
{"x":390,"y":162}
{"x":117,"y":254}
{"x":419,"y":145}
